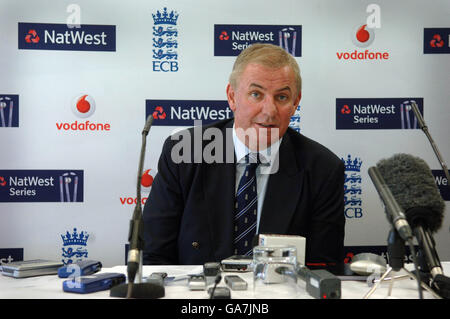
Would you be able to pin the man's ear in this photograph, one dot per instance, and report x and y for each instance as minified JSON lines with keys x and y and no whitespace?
{"x":230,"y":97}
{"x":297,"y":101}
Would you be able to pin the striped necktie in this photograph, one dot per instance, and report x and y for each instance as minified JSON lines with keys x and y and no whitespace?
{"x":246,"y":208}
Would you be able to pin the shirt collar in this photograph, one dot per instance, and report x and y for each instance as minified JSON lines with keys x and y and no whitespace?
{"x":241,"y":150}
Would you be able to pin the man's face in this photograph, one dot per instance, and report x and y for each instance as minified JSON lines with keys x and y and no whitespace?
{"x":263,"y":102}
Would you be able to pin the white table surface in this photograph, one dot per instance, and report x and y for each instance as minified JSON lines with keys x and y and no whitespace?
{"x":50,"y":286}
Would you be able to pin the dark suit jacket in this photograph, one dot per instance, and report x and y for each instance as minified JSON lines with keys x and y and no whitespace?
{"x":188,"y":217}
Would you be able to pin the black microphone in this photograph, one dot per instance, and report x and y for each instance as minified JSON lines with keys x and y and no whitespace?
{"x":424,"y":128}
{"x":413,"y":186}
{"x":135,"y":235}
{"x":394,"y":212}
{"x":136,"y":241}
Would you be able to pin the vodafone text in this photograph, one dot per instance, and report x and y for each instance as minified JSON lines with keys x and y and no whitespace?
{"x":359,"y":55}
{"x":86,"y":126}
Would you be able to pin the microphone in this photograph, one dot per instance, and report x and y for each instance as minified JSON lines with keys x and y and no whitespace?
{"x":414,"y":188}
{"x":136,"y":242}
{"x":393,"y":211}
{"x":424,"y":128}
{"x":135,"y":235}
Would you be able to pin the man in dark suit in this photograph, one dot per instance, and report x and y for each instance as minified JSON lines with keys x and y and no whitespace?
{"x":207,"y":202}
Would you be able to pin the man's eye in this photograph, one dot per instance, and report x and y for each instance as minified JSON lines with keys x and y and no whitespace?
{"x":255,"y":95}
{"x":283,"y":98}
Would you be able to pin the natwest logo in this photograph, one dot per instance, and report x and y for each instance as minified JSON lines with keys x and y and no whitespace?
{"x":184,"y":112}
{"x":83,"y":106}
{"x":159,"y":113}
{"x":32,"y":37}
{"x":42,"y":36}
{"x":362,"y":36}
{"x":436,"y":40}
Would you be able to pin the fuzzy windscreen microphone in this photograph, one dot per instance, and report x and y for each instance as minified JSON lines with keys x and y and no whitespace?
{"x":412,"y":184}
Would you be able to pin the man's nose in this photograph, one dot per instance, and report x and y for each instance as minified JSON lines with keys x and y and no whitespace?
{"x":269,"y":107}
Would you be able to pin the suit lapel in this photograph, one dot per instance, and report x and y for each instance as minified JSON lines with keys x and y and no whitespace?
{"x":283,"y":190}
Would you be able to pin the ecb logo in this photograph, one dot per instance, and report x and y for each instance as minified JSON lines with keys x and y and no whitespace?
{"x":165,"y":41}
{"x":352,"y":187}
{"x":74,"y":247}
{"x":295,"y":120}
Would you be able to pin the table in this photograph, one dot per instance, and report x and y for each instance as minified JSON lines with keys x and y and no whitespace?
{"x":50,"y":286}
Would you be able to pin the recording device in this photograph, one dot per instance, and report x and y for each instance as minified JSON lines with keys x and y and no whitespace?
{"x":298,"y":242}
{"x":93,"y":283}
{"x":237,"y":263}
{"x":157,"y":278}
{"x":139,"y":289}
{"x":211,"y":269}
{"x":31,"y":268}
{"x":320,"y":283}
{"x":365,"y":264}
{"x":394,"y":212}
{"x":197,"y":282}
{"x":80,"y":268}
{"x":414,"y":188}
{"x":235,"y":282}
{"x":219,"y":293}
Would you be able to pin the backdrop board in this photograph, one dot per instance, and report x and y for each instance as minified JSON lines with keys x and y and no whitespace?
{"x":78,"y":79}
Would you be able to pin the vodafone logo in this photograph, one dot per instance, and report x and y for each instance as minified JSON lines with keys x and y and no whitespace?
{"x":147,"y":178}
{"x":146,"y":183}
{"x":2,"y":181}
{"x":159,"y":113}
{"x":437,"y":41}
{"x":32,"y":37}
{"x":83,"y":106}
{"x":362,"y":36}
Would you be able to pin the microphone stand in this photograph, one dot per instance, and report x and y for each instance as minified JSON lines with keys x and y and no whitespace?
{"x":424,"y":128}
{"x":135,"y":288}
{"x":396,"y":252}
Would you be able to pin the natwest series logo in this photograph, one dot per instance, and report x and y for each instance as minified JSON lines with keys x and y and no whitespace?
{"x":376,"y":113}
{"x":41,"y":185}
{"x":9,"y":110}
{"x":185,"y":112}
{"x":436,"y":40}
{"x":52,"y":36}
{"x":83,"y":106}
{"x":230,"y":40}
{"x":165,"y":41}
{"x":362,"y":36}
